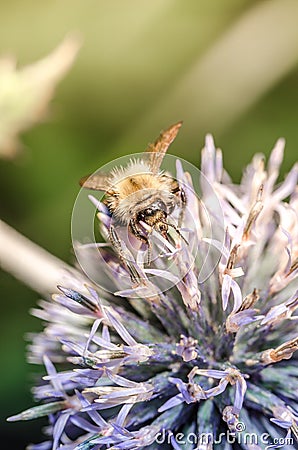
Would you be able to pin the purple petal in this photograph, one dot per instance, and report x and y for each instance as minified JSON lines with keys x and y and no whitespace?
{"x":174,"y":401}
{"x":276,"y":157}
{"x":94,"y":415}
{"x":240,"y":388}
{"x":288,"y":186}
{"x":105,"y":344}
{"x":121,"y":330}
{"x":218,"y":374}
{"x":217,"y":390}
{"x":207,"y":161}
{"x":282,"y":423}
{"x":243,"y":318}
{"x":122,"y":415}
{"x":218,"y":165}
{"x":76,"y":348}
{"x":163,"y":274}
{"x":237,"y":295}
{"x":106,"y":333}
{"x":92,"y":333}
{"x":225,"y":290}
{"x":274,"y":312}
{"x":101,"y":207}
{"x":121,"y":381}
{"x":50,"y":368}
{"x":82,"y":423}
{"x":59,"y":428}
{"x":174,"y":443}
{"x":182,"y":387}
{"x":47,"y":445}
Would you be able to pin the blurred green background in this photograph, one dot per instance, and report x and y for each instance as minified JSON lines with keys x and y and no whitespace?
{"x":229,"y":67}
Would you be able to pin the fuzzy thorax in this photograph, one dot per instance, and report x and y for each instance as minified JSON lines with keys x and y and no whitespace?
{"x":134,"y":193}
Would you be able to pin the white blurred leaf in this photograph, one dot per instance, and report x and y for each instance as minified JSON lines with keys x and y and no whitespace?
{"x":25,"y":93}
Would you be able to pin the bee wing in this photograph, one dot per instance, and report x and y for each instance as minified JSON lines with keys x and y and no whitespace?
{"x":155,"y":153}
{"x":98,"y":181}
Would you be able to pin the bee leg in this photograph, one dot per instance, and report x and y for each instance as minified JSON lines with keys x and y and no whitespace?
{"x":136,"y":231}
{"x":149,"y":254}
{"x":183,"y":202}
{"x":178,"y":232}
{"x":115,"y":241}
{"x":180,"y":200}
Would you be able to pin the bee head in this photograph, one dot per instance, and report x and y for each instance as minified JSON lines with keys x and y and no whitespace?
{"x":161,"y":227}
{"x":154,"y":215}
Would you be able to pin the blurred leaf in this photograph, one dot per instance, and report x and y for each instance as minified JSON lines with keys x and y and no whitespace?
{"x":25,"y":93}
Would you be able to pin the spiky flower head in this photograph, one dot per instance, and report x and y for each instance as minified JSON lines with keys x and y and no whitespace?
{"x":205,"y":362}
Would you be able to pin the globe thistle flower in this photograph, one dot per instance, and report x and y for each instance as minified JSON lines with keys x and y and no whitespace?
{"x":206,"y":361}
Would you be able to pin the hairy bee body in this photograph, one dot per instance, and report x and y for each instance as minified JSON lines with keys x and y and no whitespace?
{"x":135,"y":193}
{"x":140,"y":193}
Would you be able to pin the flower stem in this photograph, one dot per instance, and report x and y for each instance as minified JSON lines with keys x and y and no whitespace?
{"x":29,"y":263}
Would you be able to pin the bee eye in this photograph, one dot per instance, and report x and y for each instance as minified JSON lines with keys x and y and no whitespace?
{"x":161,"y":206}
{"x":141,"y":215}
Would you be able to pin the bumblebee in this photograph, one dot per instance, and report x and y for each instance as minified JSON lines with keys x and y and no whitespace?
{"x":140,"y":195}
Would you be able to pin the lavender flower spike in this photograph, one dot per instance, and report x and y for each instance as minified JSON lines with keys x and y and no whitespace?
{"x":192,"y":348}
